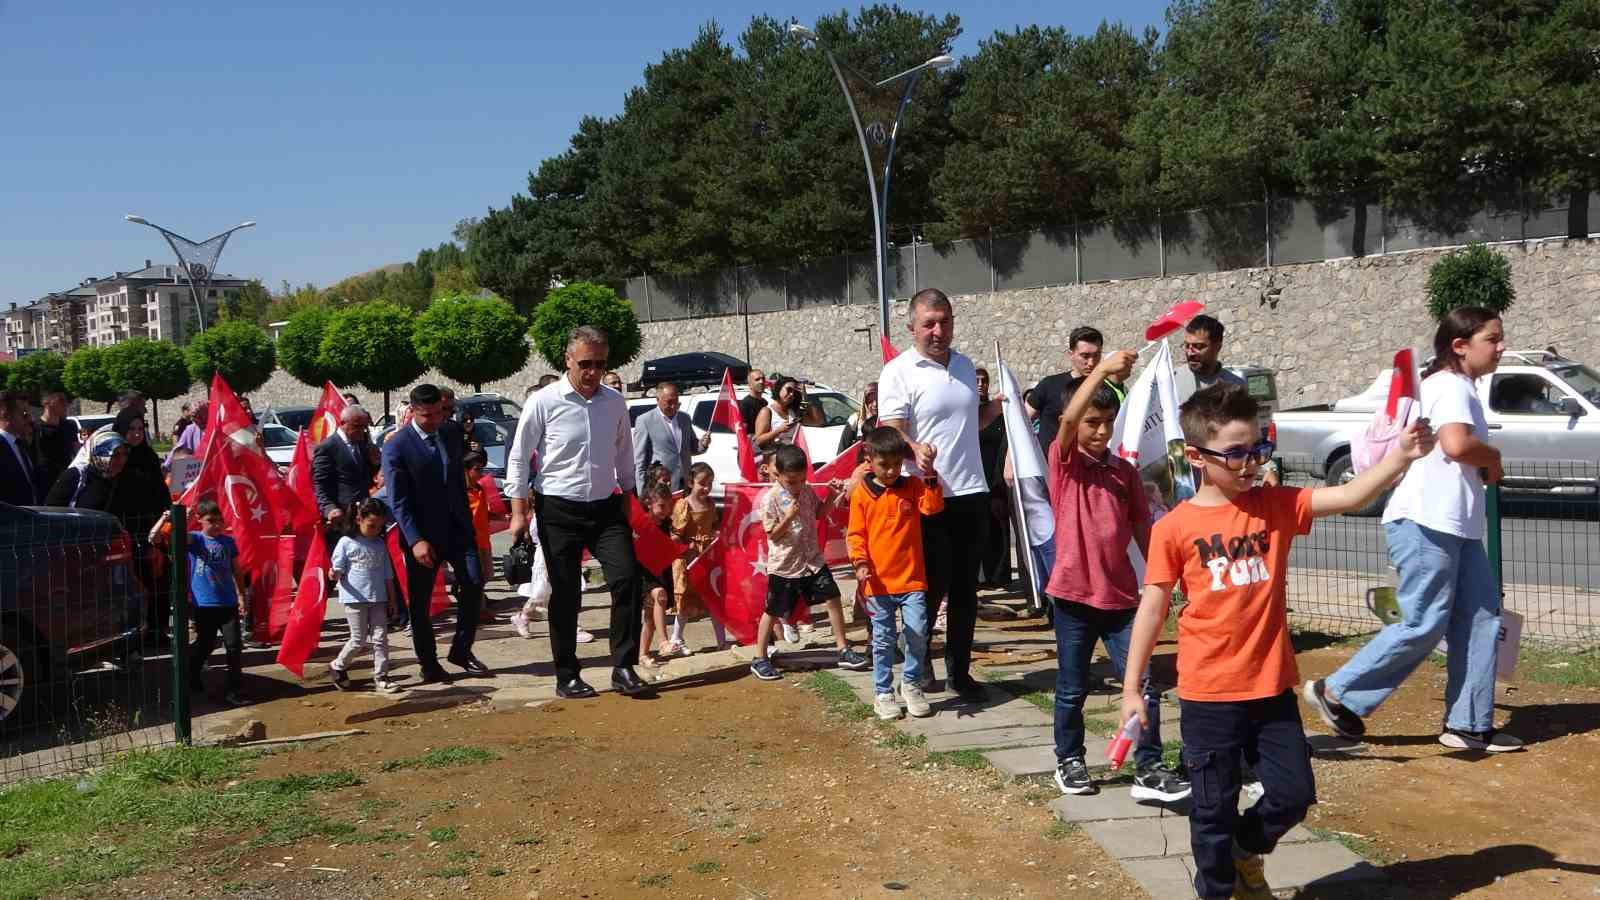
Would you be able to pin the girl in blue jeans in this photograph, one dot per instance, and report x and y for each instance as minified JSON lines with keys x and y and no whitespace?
{"x":1435,"y":523}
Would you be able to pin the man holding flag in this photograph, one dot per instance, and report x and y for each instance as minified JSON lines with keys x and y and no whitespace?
{"x":579,"y":431}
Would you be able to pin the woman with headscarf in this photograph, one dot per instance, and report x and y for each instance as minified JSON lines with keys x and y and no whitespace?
{"x":140,"y":499}
{"x":92,"y":479}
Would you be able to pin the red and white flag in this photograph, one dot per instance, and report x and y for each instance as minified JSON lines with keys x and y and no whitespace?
{"x":1403,"y":405}
{"x":654,"y":550}
{"x":303,"y":630}
{"x":889,"y":352}
{"x":836,"y":524}
{"x":325,"y":419}
{"x":726,"y":413}
{"x":731,"y":576}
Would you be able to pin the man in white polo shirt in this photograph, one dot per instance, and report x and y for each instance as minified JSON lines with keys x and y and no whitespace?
{"x":930,"y":393}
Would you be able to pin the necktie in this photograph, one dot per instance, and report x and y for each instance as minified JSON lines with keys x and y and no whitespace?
{"x":433,"y":447}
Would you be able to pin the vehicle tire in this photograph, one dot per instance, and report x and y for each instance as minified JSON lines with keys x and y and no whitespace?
{"x":1340,"y":471}
{"x":23,"y":665}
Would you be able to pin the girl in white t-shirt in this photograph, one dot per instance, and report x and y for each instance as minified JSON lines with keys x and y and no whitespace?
{"x":1435,"y":524}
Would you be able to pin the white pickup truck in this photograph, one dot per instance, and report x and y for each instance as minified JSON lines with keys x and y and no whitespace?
{"x":1543,"y":412}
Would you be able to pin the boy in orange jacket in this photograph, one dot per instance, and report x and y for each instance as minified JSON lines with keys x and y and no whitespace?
{"x":885,"y":540}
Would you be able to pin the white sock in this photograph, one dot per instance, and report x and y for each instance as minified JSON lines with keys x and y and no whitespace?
{"x":677,"y":628}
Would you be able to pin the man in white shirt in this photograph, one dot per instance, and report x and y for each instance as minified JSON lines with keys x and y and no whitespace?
{"x":930,"y":393}
{"x":578,"y":430}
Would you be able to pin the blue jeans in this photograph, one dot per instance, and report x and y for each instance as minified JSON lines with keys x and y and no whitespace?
{"x":1078,"y":626}
{"x":1267,"y":734}
{"x":1447,"y":590}
{"x":913,"y":606}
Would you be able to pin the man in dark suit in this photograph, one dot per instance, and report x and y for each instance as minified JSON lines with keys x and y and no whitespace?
{"x":342,"y":469}
{"x":429,"y":492}
{"x":666,"y":435}
{"x":19,"y":479}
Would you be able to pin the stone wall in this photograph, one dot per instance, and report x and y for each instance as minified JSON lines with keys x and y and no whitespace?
{"x":1326,"y":328}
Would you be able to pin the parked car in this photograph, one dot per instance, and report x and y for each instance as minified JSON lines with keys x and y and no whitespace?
{"x":494,"y":437}
{"x":723,"y":454}
{"x":93,"y":423}
{"x":489,"y":407}
{"x":279,"y":441}
{"x":293,"y":418}
{"x":691,"y":370}
{"x":67,"y":594}
{"x":1543,"y":412}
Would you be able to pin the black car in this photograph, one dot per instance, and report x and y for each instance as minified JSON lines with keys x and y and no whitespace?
{"x":489,"y":407}
{"x":68,"y":593}
{"x":690,"y":370}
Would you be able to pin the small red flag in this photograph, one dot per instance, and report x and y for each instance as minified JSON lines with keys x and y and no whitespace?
{"x":651,"y":546}
{"x":1176,"y":316}
{"x":1404,"y":385}
{"x":303,"y":629}
{"x":726,"y":413}
{"x":325,"y":418}
{"x":889,"y":352}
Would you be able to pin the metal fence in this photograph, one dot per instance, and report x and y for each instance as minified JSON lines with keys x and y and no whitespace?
{"x":1544,"y":535}
{"x":1277,"y":231}
{"x":86,"y":667}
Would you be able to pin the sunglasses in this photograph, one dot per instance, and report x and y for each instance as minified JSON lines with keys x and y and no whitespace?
{"x":587,"y":364}
{"x":1236,"y":459}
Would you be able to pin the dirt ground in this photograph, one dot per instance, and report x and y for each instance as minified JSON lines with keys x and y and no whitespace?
{"x":1447,"y":823}
{"x":726,"y":787}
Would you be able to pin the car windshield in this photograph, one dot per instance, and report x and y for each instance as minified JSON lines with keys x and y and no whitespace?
{"x":295,"y":418}
{"x":488,"y":434}
{"x":499,"y":410}
{"x":1580,"y":378}
{"x":277,"y":436}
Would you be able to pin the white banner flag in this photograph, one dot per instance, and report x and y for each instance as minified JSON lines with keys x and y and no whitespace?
{"x":1030,"y":495}
{"x":1146,"y":429}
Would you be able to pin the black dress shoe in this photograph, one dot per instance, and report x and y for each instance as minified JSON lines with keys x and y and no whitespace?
{"x":434,"y":675}
{"x":576,"y":689}
{"x":472,"y":664}
{"x":628,"y":683}
{"x":970,"y":690}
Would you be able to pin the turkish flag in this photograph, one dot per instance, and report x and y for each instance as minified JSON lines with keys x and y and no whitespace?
{"x":299,"y":476}
{"x":439,"y":601}
{"x":273,"y":589}
{"x":1176,"y":316}
{"x":654,"y":549}
{"x":325,"y":418}
{"x":841,"y":468}
{"x":1405,"y":386}
{"x":889,"y":352}
{"x":726,"y":413}
{"x":800,"y":442}
{"x":731,"y":576}
{"x":303,"y":626}
{"x":837,"y":522}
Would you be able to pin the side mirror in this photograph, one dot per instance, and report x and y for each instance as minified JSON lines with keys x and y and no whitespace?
{"x":1571,"y":407}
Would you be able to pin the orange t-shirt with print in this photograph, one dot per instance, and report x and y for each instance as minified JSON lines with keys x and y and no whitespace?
{"x":1231,"y":561}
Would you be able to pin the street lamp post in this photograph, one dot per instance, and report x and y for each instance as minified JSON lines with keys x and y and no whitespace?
{"x":884,"y":104}
{"x":197,"y":260}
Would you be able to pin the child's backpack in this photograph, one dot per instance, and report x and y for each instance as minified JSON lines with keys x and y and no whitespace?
{"x":1403,"y":407}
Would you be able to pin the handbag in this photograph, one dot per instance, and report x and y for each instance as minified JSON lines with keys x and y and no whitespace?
{"x":519,"y":561}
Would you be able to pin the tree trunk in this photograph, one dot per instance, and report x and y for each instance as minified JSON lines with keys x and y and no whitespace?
{"x":1358,"y":241}
{"x":1578,"y":214}
{"x":477,"y":388}
{"x":153,"y":427}
{"x":386,"y":404}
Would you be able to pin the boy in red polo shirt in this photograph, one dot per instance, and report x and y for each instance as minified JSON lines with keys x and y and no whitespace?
{"x":1100,"y":508}
{"x":1229,"y":547}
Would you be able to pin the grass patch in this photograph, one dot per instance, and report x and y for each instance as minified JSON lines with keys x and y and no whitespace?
{"x":1352,"y":843}
{"x":900,"y":740}
{"x":961,"y":759}
{"x":1304,"y":640}
{"x":660,"y":879}
{"x":1172,"y":754}
{"x":1060,"y":831}
{"x":1101,"y":726}
{"x":443,"y":834}
{"x":386,"y":836}
{"x":1559,"y":667}
{"x":840,"y":698}
{"x":442,"y":758}
{"x":496,"y":872}
{"x":708,"y":867}
{"x":754,"y":838}
{"x":449,"y":872}
{"x":461,"y":856}
{"x":1045,"y":700}
{"x":373,"y":807}
{"x":143,"y":808}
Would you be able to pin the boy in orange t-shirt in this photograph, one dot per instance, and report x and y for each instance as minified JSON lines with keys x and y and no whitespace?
{"x":1229,"y":548}
{"x":885,"y":541}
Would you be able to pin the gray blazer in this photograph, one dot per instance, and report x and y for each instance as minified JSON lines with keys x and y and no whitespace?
{"x":653,"y":442}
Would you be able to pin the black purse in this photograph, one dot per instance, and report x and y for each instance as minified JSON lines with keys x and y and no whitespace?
{"x":519,"y":561}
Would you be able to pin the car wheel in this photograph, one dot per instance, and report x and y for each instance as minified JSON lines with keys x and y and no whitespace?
{"x":21,"y":664}
{"x":1341,"y":471}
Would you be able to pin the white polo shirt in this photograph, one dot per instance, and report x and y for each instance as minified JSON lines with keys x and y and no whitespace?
{"x":939,"y":405}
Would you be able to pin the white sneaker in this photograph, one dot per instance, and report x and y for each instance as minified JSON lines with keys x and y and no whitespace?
{"x":585,"y":637}
{"x":790,"y":634}
{"x":1490,"y":741}
{"x":385,"y":686}
{"x":538,"y":613}
{"x":886,"y":708}
{"x":916,"y":701}
{"x":519,"y":621}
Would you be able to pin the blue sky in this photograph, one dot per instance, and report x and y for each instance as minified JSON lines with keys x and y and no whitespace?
{"x":354,"y":135}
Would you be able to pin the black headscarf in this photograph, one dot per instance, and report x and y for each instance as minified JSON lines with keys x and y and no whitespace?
{"x":142,"y":494}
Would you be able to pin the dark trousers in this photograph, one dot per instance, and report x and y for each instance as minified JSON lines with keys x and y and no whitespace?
{"x":566,"y":529}
{"x":994,"y":567}
{"x":952,"y":545}
{"x":420,"y":580}
{"x":1268,"y":735}
{"x":209,"y":622}
{"x":1078,"y":626}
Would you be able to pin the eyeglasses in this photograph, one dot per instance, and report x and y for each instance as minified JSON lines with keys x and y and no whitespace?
{"x":1236,"y":459}
{"x":587,"y":364}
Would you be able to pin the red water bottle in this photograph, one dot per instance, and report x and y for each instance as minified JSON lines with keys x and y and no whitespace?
{"x":1125,"y":739}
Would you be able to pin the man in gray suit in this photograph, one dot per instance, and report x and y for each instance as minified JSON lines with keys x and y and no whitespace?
{"x":666,"y":435}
